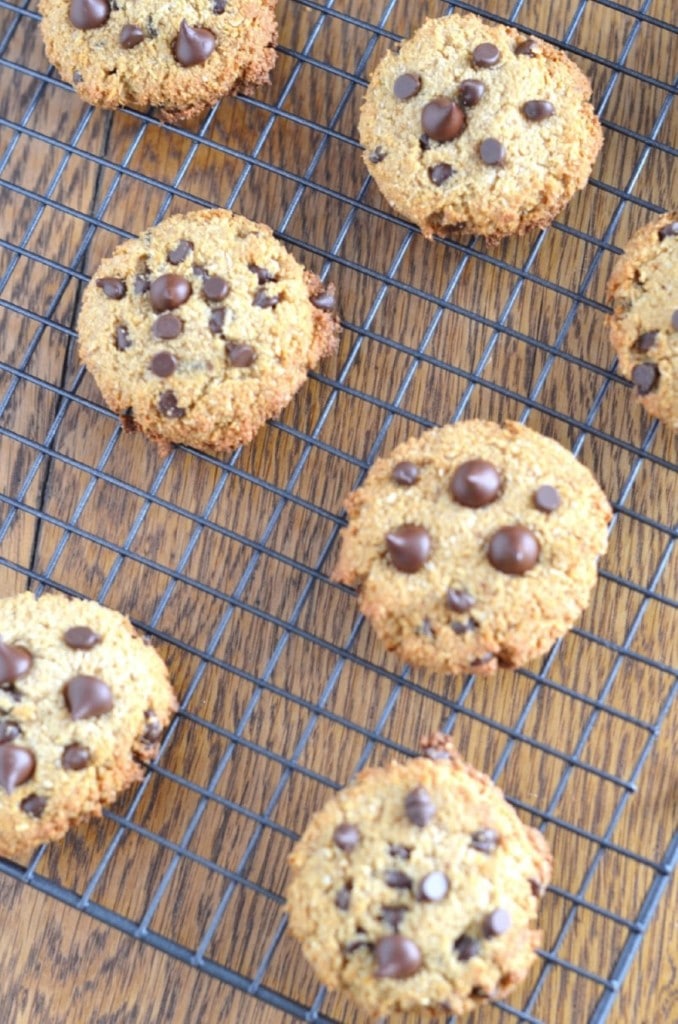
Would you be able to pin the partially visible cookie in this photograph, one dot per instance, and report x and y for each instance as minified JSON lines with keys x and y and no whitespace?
{"x":203,"y":328}
{"x":83,"y":704}
{"x":473,"y":127}
{"x":643,"y":292}
{"x":180,"y":57}
{"x":417,"y":886}
{"x":474,"y":546}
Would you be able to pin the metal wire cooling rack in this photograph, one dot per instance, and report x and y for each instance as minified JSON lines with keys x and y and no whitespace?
{"x":225,"y":564}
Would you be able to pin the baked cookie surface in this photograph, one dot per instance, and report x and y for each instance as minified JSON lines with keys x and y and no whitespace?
{"x":473,"y":127}
{"x":416,"y":887}
{"x":474,"y":546}
{"x":180,"y":57}
{"x":83,"y":703}
{"x":203,"y":328}
{"x":643,"y":292}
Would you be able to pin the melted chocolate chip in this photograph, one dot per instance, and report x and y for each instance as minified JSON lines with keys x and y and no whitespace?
{"x":346,"y":836}
{"x":215,"y":288}
{"x":465,"y":947}
{"x":439,"y":173}
{"x":475,"y":483}
{"x":442,"y":119}
{"x":131,"y":36}
{"x":486,"y":55}
{"x":167,"y":404}
{"x":163,"y":364}
{"x":9,"y":731}
{"x":405,"y":473}
{"x":470,"y":92}
{"x":216,"y":320}
{"x":485,"y":840}
{"x":153,"y":730}
{"x":17,"y":765}
{"x":377,"y":155}
{"x":15,"y":663}
{"x":34,"y":805}
{"x":496,"y":923}
{"x":76,"y":757}
{"x":645,"y":377}
{"x":401,"y":852}
{"x":528,"y":48}
{"x":112,"y":287}
{"x":89,"y":13}
{"x":325,"y":301}
{"x":167,"y":326}
{"x":409,"y":547}
{"x":393,"y":916}
{"x":342,"y":899}
{"x":87,"y":697}
{"x":193,"y":45}
{"x":434,"y":887}
{"x":538,"y":110}
{"x":122,"y":339}
{"x":646,"y":341}
{"x":397,"y":957}
{"x":492,"y":152}
{"x":406,"y":86}
{"x":397,"y":879}
{"x":241,"y":356}
{"x":459,"y":600}
{"x":514,"y":550}
{"x":419,"y":807}
{"x":184,"y":248}
{"x":546,"y":498}
{"x":169,"y":291}
{"x":81,"y":638}
{"x":265,"y":301}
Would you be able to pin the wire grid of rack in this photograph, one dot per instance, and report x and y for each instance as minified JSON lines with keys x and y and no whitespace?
{"x":284,"y":693}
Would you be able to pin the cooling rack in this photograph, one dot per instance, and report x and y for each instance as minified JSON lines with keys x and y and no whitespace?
{"x":225,"y":564}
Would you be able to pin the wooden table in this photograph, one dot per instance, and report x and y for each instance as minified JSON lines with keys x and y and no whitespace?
{"x":163,"y":539}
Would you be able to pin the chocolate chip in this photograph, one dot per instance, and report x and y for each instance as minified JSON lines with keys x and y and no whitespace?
{"x":393,"y":916}
{"x":645,"y":377}
{"x":442,"y":119}
{"x":81,"y":638}
{"x":215,"y":288}
{"x":153,"y":730}
{"x":377,"y":155}
{"x":325,"y":301}
{"x":496,"y":923}
{"x":9,"y":731}
{"x":434,"y":887}
{"x":485,"y":840}
{"x":263,"y":275}
{"x":668,"y":230}
{"x":459,"y":600}
{"x":216,"y":320}
{"x":397,"y":957}
{"x":169,"y":291}
{"x":470,"y":92}
{"x":122,"y":339}
{"x":167,"y":404}
{"x":405,"y":473}
{"x":112,"y":287}
{"x":87,"y":697}
{"x":397,"y":879}
{"x":131,"y":36}
{"x":346,"y":836}
{"x":528,"y":48}
{"x":419,"y":807}
{"x":538,"y":110}
{"x":409,"y":547}
{"x":193,"y":45}
{"x":465,"y":947}
{"x":89,"y":13}
{"x":265,"y":301}
{"x":514,"y":550}
{"x":184,"y":248}
{"x":646,"y":341}
{"x":76,"y":757}
{"x":241,"y":355}
{"x":463,"y":627}
{"x":424,"y":143}
{"x":401,"y":852}
{"x":439,"y":173}
{"x":34,"y":805}
{"x":17,"y":765}
{"x":475,"y":483}
{"x":141,"y":284}
{"x":477,"y":992}
{"x":406,"y":86}
{"x":343,"y":898}
{"x":163,"y":364}
{"x":486,"y":55}
{"x":15,"y":662}
{"x":167,"y":326}
{"x":492,"y":152}
{"x":219,"y":6}
{"x":546,"y":498}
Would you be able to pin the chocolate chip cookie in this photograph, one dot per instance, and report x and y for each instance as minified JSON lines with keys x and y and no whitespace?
{"x":179,"y":57}
{"x":473,"y":127}
{"x":203,"y":328}
{"x":416,"y":887}
{"x":83,"y":704}
{"x":643,"y":292}
{"x":474,"y":546}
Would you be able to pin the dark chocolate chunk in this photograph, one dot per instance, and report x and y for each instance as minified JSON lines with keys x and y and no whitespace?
{"x":397,"y":957}
{"x":9,"y":730}
{"x":393,"y":916}
{"x":471,"y":92}
{"x":419,"y":806}
{"x":87,"y":697}
{"x":486,"y":55}
{"x":514,"y":550}
{"x":645,"y":377}
{"x":538,"y":110}
{"x":465,"y":947}
{"x":112,"y":287}
{"x":216,"y":320}
{"x":122,"y":339}
{"x":546,"y":498}
{"x":163,"y":364}
{"x":342,"y":899}
{"x":346,"y":836}
{"x":17,"y":765}
{"x":401,"y":852}
{"x":496,"y":923}
{"x":377,"y":155}
{"x":215,"y":288}
{"x":241,"y":355}
{"x":167,"y":404}
{"x":646,"y":341}
{"x":397,"y":879}
{"x":169,"y":291}
{"x":167,"y":326}
{"x":439,"y":173}
{"x":475,"y":483}
{"x":325,"y":301}
{"x":76,"y":757}
{"x":492,"y":152}
{"x":265,"y":301}
{"x":131,"y":36}
{"x":89,"y":13}
{"x":485,"y":840}
{"x":153,"y":730}
{"x":184,"y":248}
{"x":405,"y":473}
{"x":442,"y":119}
{"x":15,"y":663}
{"x":406,"y":86}
{"x":193,"y":45}
{"x":528,"y":47}
{"x":81,"y":638}
{"x":459,"y":600}
{"x":409,"y":547}
{"x":434,"y":887}
{"x":34,"y":805}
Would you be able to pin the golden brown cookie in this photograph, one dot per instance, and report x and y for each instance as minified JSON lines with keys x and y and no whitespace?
{"x":416,"y":887}
{"x":203,"y":328}
{"x":83,"y":703}
{"x":179,"y":57}
{"x":473,"y":127}
{"x":474,"y":546}
{"x":643,"y":292}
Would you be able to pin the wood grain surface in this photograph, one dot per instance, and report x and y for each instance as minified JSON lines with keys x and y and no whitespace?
{"x":285,"y":693}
